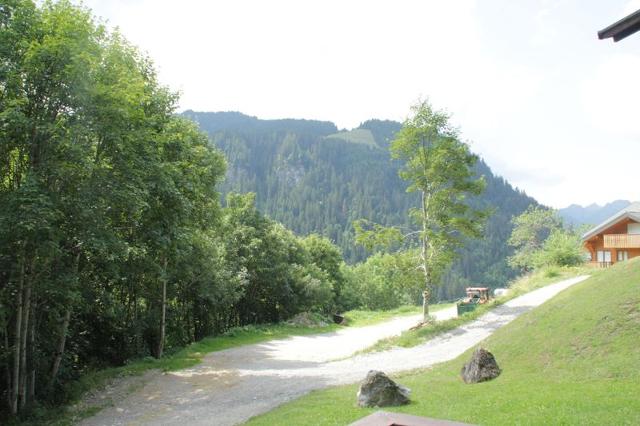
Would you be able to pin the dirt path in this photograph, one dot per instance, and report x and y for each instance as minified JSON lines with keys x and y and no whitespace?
{"x":231,"y":386}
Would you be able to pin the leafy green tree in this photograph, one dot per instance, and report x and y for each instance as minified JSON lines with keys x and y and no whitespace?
{"x":561,"y":248}
{"x":103,"y":191}
{"x":439,"y":168}
{"x":385,"y":281}
{"x":328,"y":258}
{"x":530,"y":230}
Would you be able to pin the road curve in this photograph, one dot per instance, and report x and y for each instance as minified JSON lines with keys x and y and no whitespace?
{"x":231,"y":386}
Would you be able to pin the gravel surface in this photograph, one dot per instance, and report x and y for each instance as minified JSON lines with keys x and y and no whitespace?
{"x":231,"y":386}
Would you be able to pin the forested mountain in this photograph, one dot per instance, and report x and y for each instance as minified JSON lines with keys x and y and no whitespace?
{"x":314,"y":178}
{"x":591,"y":214}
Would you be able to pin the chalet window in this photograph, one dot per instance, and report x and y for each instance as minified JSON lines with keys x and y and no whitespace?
{"x":604,"y":256}
{"x":633,"y":228}
{"x":623,"y":255}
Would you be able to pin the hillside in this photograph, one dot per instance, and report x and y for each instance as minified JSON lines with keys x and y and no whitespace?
{"x":574,"y":360}
{"x":591,"y":214}
{"x":314,"y":178}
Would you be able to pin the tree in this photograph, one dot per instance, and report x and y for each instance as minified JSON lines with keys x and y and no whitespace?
{"x":440,"y":168}
{"x":561,"y":248}
{"x":530,"y":230}
{"x":328,"y":258}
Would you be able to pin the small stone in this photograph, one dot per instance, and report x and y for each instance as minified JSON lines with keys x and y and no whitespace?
{"x":378,"y":390}
{"x":481,"y":368}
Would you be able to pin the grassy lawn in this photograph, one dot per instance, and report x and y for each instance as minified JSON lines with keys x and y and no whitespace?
{"x":573,"y":360}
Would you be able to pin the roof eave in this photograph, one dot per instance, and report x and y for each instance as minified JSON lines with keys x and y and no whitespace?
{"x":604,"y":225}
{"x":623,"y":28}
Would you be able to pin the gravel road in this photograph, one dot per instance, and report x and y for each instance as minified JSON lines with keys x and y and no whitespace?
{"x":231,"y":386}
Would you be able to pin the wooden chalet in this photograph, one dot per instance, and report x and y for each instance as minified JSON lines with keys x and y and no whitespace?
{"x":616,"y":239}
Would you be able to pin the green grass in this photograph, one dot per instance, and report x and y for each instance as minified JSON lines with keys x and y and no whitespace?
{"x":520,"y":286}
{"x":359,"y":136}
{"x":573,"y":360}
{"x":358,"y":318}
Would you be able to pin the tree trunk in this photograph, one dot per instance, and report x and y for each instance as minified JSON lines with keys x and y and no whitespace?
{"x":7,"y":349}
{"x":60,"y":349}
{"x":23,"y":350}
{"x":15,"y":378}
{"x":63,"y":330}
{"x":32,"y":365}
{"x":423,"y":257}
{"x":163,"y":309}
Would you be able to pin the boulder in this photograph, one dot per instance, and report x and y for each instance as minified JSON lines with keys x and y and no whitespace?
{"x":378,"y":390}
{"x":481,"y":368}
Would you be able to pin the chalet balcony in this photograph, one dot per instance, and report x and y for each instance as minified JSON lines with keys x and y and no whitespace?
{"x":595,"y":264}
{"x":621,"y":241}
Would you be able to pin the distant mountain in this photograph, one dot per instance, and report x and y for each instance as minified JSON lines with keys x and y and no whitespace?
{"x":231,"y":121}
{"x":591,"y":214}
{"x":313,"y":177}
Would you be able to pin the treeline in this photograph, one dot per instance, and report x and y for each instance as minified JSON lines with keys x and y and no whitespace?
{"x":113,"y":240}
{"x":313,"y":182}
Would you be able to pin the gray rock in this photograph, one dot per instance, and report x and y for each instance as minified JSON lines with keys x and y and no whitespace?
{"x":481,"y":368}
{"x":378,"y":390}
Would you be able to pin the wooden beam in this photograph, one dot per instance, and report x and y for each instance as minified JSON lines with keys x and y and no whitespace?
{"x":623,"y":28}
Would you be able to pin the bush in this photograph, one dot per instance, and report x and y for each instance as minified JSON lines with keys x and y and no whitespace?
{"x":384,"y":281}
{"x":562,"y":248}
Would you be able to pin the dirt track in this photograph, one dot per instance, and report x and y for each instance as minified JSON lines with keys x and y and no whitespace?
{"x":231,"y":386}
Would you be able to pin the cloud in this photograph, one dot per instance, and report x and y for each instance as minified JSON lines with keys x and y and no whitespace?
{"x":540,"y":98}
{"x":610,"y":95}
{"x":631,"y":6}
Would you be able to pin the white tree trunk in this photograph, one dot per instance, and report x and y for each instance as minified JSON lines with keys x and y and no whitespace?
{"x":26,"y":310}
{"x":423,"y":257}
{"x":15,"y":377}
{"x":163,"y":314}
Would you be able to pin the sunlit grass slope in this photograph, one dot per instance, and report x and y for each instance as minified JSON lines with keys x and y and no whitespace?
{"x":359,"y":136}
{"x":573,"y":360}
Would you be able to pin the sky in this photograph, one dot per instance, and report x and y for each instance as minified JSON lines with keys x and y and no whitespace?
{"x":534,"y":92}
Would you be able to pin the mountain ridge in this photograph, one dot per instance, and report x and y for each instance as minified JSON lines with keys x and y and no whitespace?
{"x":592,"y":214}
{"x":312,"y":181}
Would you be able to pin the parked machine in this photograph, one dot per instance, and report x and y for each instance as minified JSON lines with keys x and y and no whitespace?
{"x":475,"y":296}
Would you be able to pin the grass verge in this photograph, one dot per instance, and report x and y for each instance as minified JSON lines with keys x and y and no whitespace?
{"x":359,"y":318}
{"x":518,"y":287}
{"x":573,"y":360}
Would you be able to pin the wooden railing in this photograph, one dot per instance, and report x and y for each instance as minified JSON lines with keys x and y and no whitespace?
{"x":621,"y":241}
{"x":595,"y":264}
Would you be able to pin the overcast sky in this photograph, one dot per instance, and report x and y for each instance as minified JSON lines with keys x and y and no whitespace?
{"x":549,"y":106}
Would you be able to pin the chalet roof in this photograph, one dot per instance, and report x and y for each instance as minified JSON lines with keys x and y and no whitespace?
{"x":623,"y":28}
{"x":632,"y":211}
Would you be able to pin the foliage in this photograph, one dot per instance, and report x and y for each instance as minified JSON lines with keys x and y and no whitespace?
{"x":439,"y":167}
{"x":541,"y":241}
{"x":387,"y":280}
{"x":530,"y":231}
{"x":315,"y":184}
{"x":374,"y":237}
{"x":561,"y":248}
{"x":113,"y":242}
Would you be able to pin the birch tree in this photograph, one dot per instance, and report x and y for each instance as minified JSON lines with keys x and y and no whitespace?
{"x":439,"y":166}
